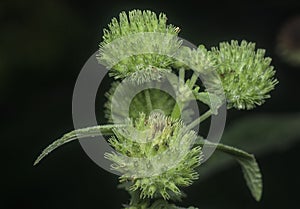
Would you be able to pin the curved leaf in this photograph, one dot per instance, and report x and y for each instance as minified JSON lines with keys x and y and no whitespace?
{"x":252,"y":176}
{"x":248,"y":164}
{"x":76,"y":134}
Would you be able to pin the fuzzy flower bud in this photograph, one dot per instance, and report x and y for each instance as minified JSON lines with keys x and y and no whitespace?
{"x":139,"y":44}
{"x":246,"y":74}
{"x":158,"y":158}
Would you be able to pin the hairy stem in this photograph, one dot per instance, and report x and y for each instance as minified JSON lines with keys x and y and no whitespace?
{"x":203,"y":117}
{"x":181,"y":76}
{"x":148,"y":100}
{"x":193,"y":79}
{"x":176,"y":112}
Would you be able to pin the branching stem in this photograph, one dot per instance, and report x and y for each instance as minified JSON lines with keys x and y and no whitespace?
{"x":193,"y":79}
{"x":203,"y":117}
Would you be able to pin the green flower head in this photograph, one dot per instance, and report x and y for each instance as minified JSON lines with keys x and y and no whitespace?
{"x":158,"y":158}
{"x":140,"y":45}
{"x":246,"y":74}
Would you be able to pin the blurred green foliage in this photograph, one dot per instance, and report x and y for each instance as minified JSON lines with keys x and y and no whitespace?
{"x":260,"y":134}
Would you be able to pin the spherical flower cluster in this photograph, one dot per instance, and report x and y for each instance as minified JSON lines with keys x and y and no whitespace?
{"x":140,"y":42}
{"x":246,"y":74}
{"x":157,"y":158}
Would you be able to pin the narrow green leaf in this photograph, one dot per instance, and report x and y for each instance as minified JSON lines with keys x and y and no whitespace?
{"x":248,"y":164}
{"x":77,"y":134}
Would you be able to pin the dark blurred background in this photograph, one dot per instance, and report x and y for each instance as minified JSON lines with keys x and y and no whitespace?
{"x":43,"y":46}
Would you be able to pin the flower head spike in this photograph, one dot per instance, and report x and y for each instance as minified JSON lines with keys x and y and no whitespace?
{"x":246,"y":74}
{"x":162,"y":157}
{"x":138,"y":44}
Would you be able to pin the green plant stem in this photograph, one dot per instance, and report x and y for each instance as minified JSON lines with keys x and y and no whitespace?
{"x":203,"y":117}
{"x":181,"y":77}
{"x":193,"y":79}
{"x":148,"y":100}
{"x":176,"y":112}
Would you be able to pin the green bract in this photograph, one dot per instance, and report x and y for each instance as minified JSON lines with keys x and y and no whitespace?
{"x":139,"y":43}
{"x":246,"y":74}
{"x":200,"y":59}
{"x":161,"y":156}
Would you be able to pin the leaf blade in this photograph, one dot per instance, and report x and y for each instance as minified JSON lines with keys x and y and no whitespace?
{"x":248,"y":164}
{"x":76,"y":134}
{"x":252,"y":176}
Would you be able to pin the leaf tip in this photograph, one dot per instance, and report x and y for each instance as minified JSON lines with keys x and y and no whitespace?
{"x":36,"y":162}
{"x":258,"y":195}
